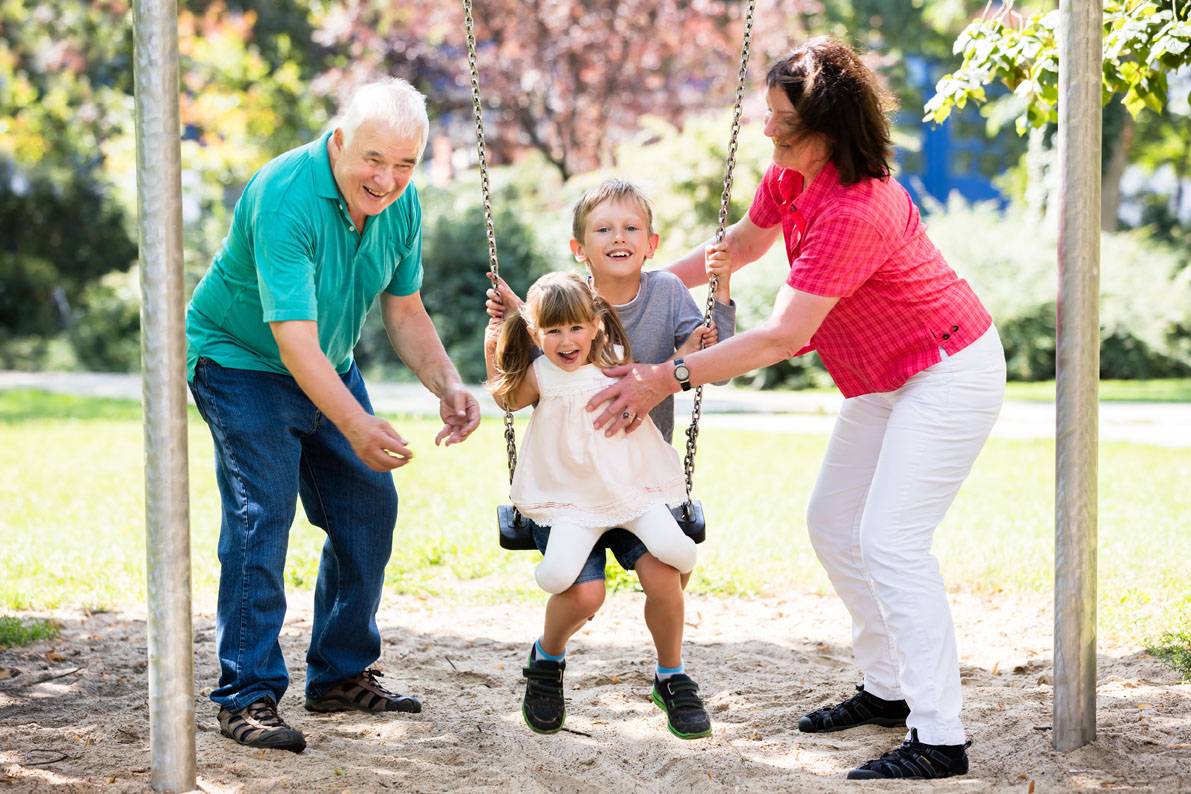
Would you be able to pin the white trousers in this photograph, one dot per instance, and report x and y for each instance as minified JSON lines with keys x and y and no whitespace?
{"x":569,"y":547}
{"x":893,"y":466}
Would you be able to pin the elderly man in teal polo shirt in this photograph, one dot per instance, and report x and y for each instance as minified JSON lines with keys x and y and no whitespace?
{"x":318,"y":235}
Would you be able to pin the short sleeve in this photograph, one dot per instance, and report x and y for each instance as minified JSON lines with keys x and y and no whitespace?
{"x":840,"y":252}
{"x":765,"y":210}
{"x":283,"y":252}
{"x":778,"y":188}
{"x":407,"y":273}
{"x":687,"y":316}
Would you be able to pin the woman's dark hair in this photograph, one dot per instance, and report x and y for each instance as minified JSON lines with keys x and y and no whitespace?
{"x":836,"y":96}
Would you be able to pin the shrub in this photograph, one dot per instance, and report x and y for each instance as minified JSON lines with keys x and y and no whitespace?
{"x":106,"y":333}
{"x":1011,"y":262}
{"x":455,"y":259}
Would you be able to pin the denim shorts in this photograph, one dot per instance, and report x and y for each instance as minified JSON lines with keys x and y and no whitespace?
{"x":624,"y":545}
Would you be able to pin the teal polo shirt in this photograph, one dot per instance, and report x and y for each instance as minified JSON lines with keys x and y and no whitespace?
{"x":293,"y":253}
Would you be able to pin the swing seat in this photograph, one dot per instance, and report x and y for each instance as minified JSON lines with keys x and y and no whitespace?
{"x":516,"y":531}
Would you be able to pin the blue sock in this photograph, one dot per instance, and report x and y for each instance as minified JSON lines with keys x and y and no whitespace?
{"x":665,"y":672}
{"x":538,"y":653}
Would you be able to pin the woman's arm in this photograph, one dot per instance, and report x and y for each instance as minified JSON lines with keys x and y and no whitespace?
{"x":795,"y":318}
{"x":744,"y":242}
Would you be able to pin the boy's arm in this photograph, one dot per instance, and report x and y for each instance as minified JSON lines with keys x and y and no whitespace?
{"x":688,"y":326}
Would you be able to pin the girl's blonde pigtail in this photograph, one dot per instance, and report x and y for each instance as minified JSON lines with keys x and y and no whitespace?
{"x":512,"y":357}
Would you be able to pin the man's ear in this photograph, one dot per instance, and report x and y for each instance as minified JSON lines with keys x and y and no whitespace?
{"x":577,"y":251}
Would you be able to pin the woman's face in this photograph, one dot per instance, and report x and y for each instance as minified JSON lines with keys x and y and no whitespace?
{"x":781,"y":120}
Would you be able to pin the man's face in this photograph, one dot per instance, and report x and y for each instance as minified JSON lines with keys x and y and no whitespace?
{"x":372,"y":168}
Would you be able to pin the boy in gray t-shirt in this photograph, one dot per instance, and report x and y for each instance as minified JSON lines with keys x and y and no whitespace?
{"x":613,"y":236}
{"x":659,"y":320}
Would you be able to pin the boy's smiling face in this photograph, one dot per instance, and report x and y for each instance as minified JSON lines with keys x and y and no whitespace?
{"x":616,"y":242}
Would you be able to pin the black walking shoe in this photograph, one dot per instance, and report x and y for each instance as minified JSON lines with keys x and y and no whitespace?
{"x":259,"y":725}
{"x":860,"y":709}
{"x":913,"y":759}
{"x":543,"y":707}
{"x":362,"y":692}
{"x":678,"y":696}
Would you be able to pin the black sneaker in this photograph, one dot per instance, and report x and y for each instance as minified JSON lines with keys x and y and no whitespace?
{"x":913,"y":759}
{"x":259,"y":725}
{"x":860,"y":709}
{"x":362,"y":692}
{"x":678,"y":696}
{"x":543,"y":707}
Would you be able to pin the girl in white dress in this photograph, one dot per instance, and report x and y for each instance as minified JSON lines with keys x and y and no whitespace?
{"x":569,"y":475}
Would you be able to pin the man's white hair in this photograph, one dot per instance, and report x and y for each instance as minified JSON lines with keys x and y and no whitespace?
{"x":394,"y":102}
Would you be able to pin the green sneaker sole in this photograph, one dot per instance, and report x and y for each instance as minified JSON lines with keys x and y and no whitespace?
{"x":661,"y":704}
{"x":542,"y":731}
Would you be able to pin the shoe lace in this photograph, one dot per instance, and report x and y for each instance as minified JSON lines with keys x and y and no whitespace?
{"x":370,"y":679}
{"x":910,"y":756}
{"x":843,"y":709}
{"x":264,"y":712}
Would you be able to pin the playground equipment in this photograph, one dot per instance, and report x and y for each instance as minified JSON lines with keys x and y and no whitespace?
{"x":171,"y":668}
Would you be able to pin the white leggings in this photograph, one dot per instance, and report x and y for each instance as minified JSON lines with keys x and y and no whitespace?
{"x":893,"y":466}
{"x":569,"y":547}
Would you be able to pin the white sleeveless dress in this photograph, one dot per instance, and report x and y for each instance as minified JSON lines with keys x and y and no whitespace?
{"x":568,"y":472}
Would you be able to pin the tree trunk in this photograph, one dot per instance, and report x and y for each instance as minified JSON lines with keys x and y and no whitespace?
{"x":1114,"y":169}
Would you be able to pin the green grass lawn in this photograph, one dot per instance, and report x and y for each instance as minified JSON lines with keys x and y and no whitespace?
{"x":1172,"y":390}
{"x":1169,"y":390}
{"x":71,"y":518}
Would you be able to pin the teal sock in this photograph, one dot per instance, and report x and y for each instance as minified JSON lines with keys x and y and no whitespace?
{"x":538,"y":653}
{"x":665,"y":672}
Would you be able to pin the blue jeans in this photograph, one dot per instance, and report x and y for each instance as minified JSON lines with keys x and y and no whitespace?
{"x":272,"y":447}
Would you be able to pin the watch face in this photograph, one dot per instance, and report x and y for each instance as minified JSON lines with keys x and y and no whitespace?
{"x":682,"y":373}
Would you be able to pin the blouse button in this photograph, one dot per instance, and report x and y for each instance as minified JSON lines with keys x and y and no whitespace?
{"x":954,"y":328}
{"x":946,"y":336}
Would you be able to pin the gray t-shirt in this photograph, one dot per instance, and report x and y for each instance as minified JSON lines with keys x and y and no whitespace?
{"x":660,"y":319}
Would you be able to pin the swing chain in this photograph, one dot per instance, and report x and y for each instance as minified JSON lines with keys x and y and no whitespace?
{"x":692,"y":431}
{"x":486,"y":190}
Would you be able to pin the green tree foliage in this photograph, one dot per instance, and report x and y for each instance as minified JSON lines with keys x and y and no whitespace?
{"x":67,"y":146}
{"x":1144,"y":41}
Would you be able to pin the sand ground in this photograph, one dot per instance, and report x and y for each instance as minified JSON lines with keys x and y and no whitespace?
{"x":73,"y":711}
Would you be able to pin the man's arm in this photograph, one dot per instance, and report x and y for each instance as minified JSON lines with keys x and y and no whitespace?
{"x":373,"y":439}
{"x":416,"y":342}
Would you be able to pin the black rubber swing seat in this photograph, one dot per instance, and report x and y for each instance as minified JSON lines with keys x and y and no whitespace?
{"x":516,"y":531}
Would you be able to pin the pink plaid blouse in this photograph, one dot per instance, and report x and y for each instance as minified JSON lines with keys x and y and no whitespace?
{"x":865,"y":243}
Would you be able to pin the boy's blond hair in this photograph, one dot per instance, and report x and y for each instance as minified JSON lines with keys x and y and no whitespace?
{"x":609,"y":190}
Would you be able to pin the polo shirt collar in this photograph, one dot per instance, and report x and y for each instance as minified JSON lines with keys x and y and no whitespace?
{"x":810,"y":199}
{"x":324,"y":178}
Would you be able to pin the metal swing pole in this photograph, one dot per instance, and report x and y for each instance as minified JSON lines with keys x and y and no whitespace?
{"x":163,"y":362}
{"x":1077,"y":372}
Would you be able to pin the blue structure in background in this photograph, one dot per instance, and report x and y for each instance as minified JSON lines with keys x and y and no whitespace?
{"x":955,"y":156}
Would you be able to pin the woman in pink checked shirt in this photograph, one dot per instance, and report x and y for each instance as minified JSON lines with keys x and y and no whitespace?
{"x":917,"y":357}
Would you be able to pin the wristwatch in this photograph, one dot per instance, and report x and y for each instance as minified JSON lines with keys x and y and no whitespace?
{"x":682,"y":374}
